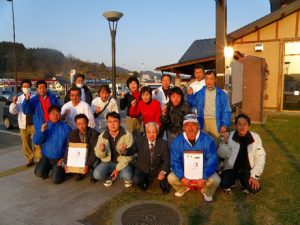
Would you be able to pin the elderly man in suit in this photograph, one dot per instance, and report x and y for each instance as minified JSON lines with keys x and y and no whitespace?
{"x":153,"y":159}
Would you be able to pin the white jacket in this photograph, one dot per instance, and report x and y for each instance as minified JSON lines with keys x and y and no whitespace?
{"x":160,"y":96}
{"x":17,"y":109}
{"x":256,"y":154}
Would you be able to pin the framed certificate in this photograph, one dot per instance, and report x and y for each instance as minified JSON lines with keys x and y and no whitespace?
{"x":193,"y":165}
{"x":77,"y":156}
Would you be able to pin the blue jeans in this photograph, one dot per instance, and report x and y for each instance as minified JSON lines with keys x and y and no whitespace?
{"x":104,"y":169}
{"x":45,"y":165}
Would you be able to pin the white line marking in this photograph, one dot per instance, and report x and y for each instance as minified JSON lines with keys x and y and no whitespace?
{"x":8,"y":132}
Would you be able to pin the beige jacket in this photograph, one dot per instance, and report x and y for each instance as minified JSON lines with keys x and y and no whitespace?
{"x":125,"y":138}
{"x":256,"y":154}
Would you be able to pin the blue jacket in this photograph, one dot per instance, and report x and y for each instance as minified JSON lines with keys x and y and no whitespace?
{"x":223,"y":113}
{"x":33,"y":107}
{"x":53,"y":140}
{"x":204,"y":143}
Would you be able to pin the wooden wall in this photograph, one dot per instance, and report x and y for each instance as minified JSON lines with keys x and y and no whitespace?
{"x":273,"y":37}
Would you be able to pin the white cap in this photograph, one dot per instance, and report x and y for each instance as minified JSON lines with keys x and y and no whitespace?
{"x":190,"y":118}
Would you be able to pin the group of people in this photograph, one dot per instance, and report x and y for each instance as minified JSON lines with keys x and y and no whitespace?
{"x":160,"y":126}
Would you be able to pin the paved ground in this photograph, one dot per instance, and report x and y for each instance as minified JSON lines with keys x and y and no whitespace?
{"x":26,"y":199}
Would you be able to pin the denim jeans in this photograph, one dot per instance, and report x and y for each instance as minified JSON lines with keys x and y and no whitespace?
{"x":45,"y":165}
{"x":104,"y":169}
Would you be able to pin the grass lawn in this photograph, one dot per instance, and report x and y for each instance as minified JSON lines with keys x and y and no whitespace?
{"x":278,"y":202}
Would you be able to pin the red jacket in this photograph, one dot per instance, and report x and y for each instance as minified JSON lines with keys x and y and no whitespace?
{"x":150,"y":112}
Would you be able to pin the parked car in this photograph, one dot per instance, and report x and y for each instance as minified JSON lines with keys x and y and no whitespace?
{"x":122,"y":89}
{"x":153,"y":86}
{"x":9,"y":120}
{"x":5,"y":94}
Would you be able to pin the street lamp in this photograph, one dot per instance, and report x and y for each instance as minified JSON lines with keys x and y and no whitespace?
{"x":14,"y":34}
{"x":113,"y":17}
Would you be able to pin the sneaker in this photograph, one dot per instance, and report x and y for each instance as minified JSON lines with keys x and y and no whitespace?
{"x":107,"y":183}
{"x":246,"y":191}
{"x":30,"y":163}
{"x":227,"y":190}
{"x":180,"y":194}
{"x":206,"y":198}
{"x":127,"y":184}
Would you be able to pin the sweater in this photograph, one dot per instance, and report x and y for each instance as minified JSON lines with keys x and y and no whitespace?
{"x":81,"y":108}
{"x":150,"y":111}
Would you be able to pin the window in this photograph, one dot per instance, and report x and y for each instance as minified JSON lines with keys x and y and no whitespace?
{"x":291,"y":89}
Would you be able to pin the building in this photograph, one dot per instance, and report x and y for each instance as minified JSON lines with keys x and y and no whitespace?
{"x":274,"y":38}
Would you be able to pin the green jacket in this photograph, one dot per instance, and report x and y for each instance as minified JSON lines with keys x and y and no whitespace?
{"x":124,"y":137}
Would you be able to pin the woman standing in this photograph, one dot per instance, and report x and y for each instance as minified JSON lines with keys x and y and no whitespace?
{"x":147,"y":108}
{"x":132,"y":124}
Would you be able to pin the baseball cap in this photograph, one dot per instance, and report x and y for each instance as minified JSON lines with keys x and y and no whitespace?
{"x":190,"y":118}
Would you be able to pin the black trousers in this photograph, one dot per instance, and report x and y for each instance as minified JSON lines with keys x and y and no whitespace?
{"x":229,"y":177}
{"x":143,"y":180}
{"x":45,"y":165}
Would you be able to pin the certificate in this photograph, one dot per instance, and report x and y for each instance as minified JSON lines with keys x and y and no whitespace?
{"x":193,"y":165}
{"x":77,"y":156}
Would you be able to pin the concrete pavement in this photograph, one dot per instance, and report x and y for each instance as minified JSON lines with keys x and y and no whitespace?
{"x":26,"y":199}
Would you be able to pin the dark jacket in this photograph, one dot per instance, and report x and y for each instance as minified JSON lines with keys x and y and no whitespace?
{"x":88,"y":95}
{"x":161,"y":157}
{"x":173,"y":120}
{"x":126,"y":102}
{"x":91,"y":140}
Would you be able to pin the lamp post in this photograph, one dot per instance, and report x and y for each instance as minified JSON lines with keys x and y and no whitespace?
{"x":14,"y":35}
{"x":112,"y":18}
{"x":228,"y":55}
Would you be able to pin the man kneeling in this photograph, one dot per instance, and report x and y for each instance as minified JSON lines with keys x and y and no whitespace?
{"x":193,"y":139}
{"x":153,"y":159}
{"x":115,"y":149}
{"x":244,"y":157}
{"x":53,"y":137}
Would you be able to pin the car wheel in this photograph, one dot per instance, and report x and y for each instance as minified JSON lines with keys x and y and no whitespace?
{"x":7,"y":123}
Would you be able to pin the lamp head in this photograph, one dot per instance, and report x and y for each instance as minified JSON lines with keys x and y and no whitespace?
{"x":228,"y":52}
{"x":112,"y":16}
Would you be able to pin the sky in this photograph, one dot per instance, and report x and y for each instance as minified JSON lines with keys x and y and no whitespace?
{"x":151,"y":33}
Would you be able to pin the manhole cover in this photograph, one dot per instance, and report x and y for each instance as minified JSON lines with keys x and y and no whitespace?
{"x":148,"y":213}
